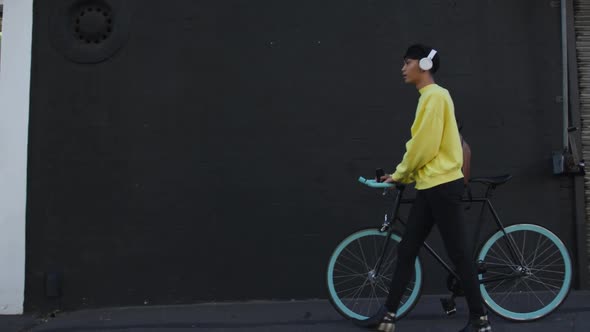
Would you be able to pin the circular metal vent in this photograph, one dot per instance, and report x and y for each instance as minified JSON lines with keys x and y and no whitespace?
{"x":94,"y":24}
{"x":90,"y":31}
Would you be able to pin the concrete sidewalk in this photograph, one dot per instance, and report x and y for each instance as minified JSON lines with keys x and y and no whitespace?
{"x":315,"y":315}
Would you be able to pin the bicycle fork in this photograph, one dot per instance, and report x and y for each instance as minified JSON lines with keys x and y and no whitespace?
{"x":386,"y":227}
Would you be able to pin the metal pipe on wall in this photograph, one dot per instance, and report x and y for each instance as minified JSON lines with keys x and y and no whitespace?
{"x":565,"y":91}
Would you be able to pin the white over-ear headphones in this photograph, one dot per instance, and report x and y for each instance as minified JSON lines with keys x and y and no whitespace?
{"x":426,"y":63}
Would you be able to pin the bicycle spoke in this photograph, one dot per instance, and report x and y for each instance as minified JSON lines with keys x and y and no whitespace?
{"x":545,"y":239}
{"x":347,"y":280}
{"x":350,"y":295}
{"x":545,"y":268}
{"x":500,"y":273}
{"x":358,"y":295}
{"x":511,"y":290}
{"x":537,"y":248}
{"x":376,"y":290}
{"x":360,"y":260}
{"x":358,"y":292}
{"x":392,"y":254}
{"x":507,"y":256}
{"x":548,"y":271}
{"x":355,"y":288}
{"x":552,"y":265}
{"x":344,"y":274}
{"x":382,"y":286}
{"x":388,"y":265}
{"x":498,"y":264}
{"x":498,"y":285}
{"x":349,"y":260}
{"x":512,"y":248}
{"x":344,"y":257}
{"x":547,"y":258}
{"x":546,"y":285}
{"x":371,"y":299}
{"x":363,"y":254}
{"x":523,"y":246}
{"x":350,"y":270}
{"x":532,"y":291}
{"x":538,"y":255}
{"x":507,"y":263}
{"x":378,"y":252}
{"x":514,"y":245}
{"x":351,"y":275}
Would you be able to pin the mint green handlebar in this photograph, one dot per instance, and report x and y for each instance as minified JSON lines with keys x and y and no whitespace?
{"x":375,"y":184}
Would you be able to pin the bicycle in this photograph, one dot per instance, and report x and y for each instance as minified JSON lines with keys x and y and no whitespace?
{"x":520,"y":280}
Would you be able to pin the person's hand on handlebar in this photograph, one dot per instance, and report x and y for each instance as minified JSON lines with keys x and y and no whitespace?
{"x":387,"y":179}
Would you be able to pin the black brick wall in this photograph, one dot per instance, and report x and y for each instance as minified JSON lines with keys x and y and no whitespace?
{"x":214,"y":156}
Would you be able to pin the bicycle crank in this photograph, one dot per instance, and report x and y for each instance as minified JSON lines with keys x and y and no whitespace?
{"x":449,"y":305}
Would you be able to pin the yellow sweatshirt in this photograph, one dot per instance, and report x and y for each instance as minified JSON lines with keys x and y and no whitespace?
{"x":434,"y":154}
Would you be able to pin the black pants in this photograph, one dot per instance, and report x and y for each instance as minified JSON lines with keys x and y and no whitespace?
{"x":439,"y":205}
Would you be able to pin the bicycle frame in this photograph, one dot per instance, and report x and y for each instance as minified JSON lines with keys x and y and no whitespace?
{"x":486,"y":202}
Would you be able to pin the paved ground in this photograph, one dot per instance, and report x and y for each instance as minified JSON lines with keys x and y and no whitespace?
{"x":301,"y":316}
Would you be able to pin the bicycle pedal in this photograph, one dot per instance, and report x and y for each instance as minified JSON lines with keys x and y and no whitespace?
{"x":452,"y":312}
{"x":449,"y":306}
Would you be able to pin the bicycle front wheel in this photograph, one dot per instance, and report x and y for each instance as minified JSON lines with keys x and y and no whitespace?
{"x":527,"y":272}
{"x":355,"y":288}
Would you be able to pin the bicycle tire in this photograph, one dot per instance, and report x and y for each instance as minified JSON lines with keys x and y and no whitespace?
{"x":355,"y":312}
{"x":552,"y":280}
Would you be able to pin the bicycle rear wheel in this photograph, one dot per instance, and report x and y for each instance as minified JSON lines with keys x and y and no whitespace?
{"x":356,"y":290}
{"x":533,"y":289}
